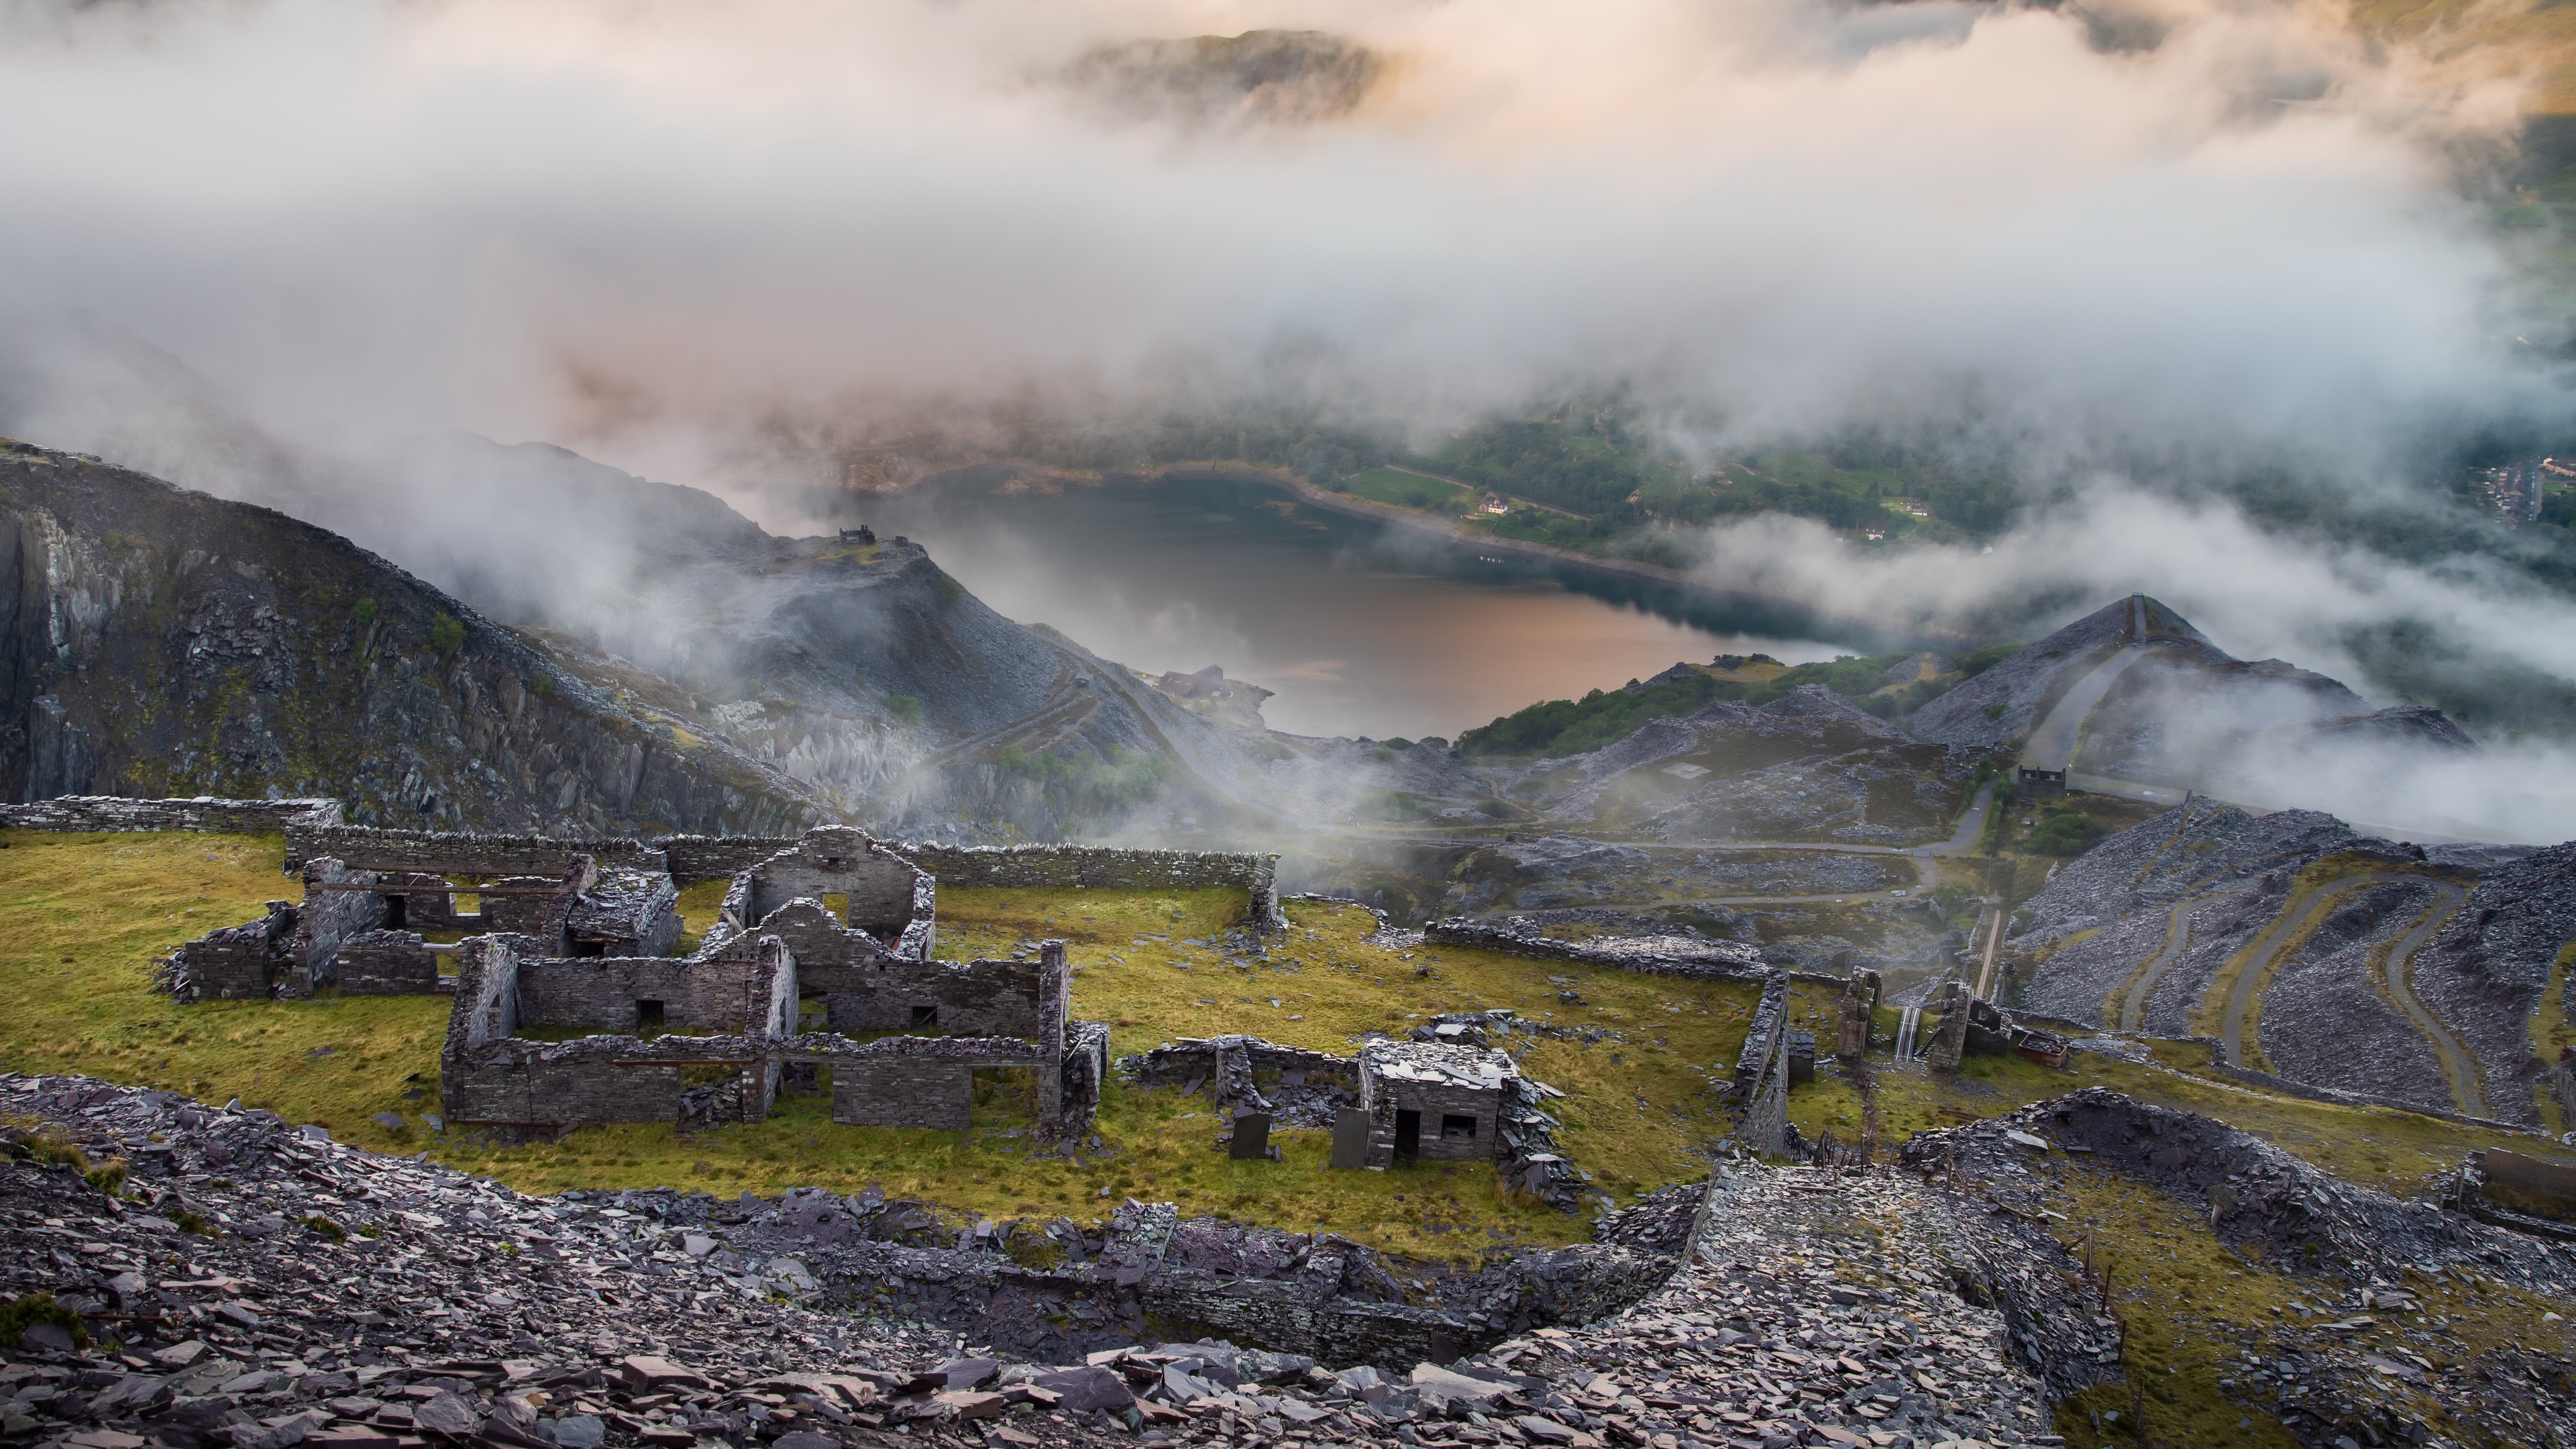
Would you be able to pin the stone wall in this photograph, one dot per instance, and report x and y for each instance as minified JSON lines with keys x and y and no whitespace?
{"x":1193,"y":1058}
{"x":914,"y":1081}
{"x":387,"y":963}
{"x":2519,"y":1173}
{"x":1282,"y":1316}
{"x":230,"y":964}
{"x":429,"y":909}
{"x":878,"y":884}
{"x":1433,"y":1100}
{"x":323,"y":921}
{"x":1770,"y":1018}
{"x":727,"y":996}
{"x":529,"y":905}
{"x":962,"y":998}
{"x":204,"y":813}
{"x":1057,"y":867}
{"x":1085,"y":1069}
{"x":448,"y":853}
{"x":694,"y":858}
{"x":903,"y":1092}
{"x":1720,"y":961}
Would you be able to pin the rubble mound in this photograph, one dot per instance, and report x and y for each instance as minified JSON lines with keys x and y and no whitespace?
{"x":270,"y":1287}
{"x":2134,"y":933}
{"x":2359,"y":1249}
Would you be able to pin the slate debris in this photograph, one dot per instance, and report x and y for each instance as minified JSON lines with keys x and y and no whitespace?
{"x":451,"y":1310}
{"x":2350,"y":1367}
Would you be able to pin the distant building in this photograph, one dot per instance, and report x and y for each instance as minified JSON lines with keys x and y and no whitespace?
{"x":1918,"y":508}
{"x":2513,"y":490}
{"x":860,"y":534}
{"x":1874,"y":532}
{"x":1494,"y":504}
{"x":2041,"y":784}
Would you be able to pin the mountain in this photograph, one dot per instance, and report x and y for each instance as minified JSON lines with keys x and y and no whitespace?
{"x":155,"y":641}
{"x":672,"y":666}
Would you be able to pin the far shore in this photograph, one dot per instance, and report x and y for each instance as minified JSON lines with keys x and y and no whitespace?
{"x":1459,"y":536}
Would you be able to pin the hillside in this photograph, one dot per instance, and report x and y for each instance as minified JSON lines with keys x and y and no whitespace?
{"x":159,"y":642}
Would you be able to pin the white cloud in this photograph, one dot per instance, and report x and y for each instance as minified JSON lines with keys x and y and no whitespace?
{"x":640,"y":224}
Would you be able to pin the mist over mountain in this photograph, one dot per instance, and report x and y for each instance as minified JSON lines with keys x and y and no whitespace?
{"x":2226,"y":303}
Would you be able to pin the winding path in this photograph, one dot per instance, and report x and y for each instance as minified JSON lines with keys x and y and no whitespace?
{"x":2285,"y":928}
{"x":2459,"y":1068}
{"x":2142,"y":984}
{"x":2457,"y":1063}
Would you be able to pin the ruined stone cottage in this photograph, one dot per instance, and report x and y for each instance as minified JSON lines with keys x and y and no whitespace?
{"x":569,"y":1009}
{"x":1434,"y":1101}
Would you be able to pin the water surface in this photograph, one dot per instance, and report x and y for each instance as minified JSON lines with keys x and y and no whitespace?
{"x":1362,"y":629}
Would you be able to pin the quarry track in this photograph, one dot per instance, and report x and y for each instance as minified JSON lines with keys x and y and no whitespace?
{"x":2457,"y":1063}
{"x":2141,"y":987}
{"x":2290,"y":925}
{"x":2052,"y":741}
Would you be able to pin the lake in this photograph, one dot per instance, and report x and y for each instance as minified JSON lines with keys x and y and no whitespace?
{"x":1360,"y":628}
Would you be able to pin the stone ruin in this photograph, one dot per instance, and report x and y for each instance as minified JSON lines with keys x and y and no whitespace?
{"x":361,"y":931}
{"x":569,"y":1009}
{"x":1395,"y":1104}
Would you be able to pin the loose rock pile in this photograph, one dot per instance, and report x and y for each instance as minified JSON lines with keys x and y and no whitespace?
{"x":2362,"y":1363}
{"x":265,"y":1287}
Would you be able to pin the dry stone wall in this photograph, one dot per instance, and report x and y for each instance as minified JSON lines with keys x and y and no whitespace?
{"x":447,"y":853}
{"x":1057,"y":867}
{"x":603,"y":993}
{"x":204,"y":813}
{"x":387,"y":963}
{"x":1715,"y":961}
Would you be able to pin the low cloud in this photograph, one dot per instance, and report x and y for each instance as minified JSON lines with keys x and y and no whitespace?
{"x":2150,"y":240}
{"x":654,"y":230}
{"x":2258,"y":593}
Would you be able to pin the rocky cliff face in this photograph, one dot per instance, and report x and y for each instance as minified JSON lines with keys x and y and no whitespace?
{"x":155,"y":641}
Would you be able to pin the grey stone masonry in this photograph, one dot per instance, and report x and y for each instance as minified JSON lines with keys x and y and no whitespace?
{"x":290,"y":951}
{"x":625,"y":913}
{"x":489,"y":1074}
{"x":388,"y":963}
{"x":447,"y":853}
{"x":230,"y":964}
{"x":1770,"y":1018}
{"x":1194,"y":1058}
{"x":1099,"y":867}
{"x":578,"y":911}
{"x":1454,"y":1097}
{"x":915,"y":1081}
{"x":745,"y":999}
{"x":322,"y":922}
{"x":693,"y":858}
{"x":204,"y":813}
{"x":1655,"y":956}
{"x":889,"y":905}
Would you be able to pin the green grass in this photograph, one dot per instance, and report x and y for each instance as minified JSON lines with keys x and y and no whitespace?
{"x":1409,"y":490}
{"x":1637,"y":1108}
{"x":91,"y":913}
{"x":88,"y":914}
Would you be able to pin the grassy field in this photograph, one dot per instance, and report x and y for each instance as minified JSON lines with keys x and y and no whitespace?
{"x":1409,"y":490}
{"x":91,"y":913}
{"x":1638,"y":1056}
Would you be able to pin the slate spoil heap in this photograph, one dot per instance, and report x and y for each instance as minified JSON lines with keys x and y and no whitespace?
{"x":258,"y":1286}
{"x":2366,"y":1354}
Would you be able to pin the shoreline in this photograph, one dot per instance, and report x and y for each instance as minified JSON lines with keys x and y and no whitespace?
{"x":1459,"y":536}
